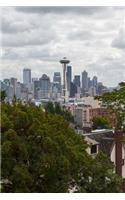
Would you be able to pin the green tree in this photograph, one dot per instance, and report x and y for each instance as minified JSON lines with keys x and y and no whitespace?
{"x":100,"y":122}
{"x":115,"y":102}
{"x":2,"y":95}
{"x":56,"y":108}
{"x":41,"y":153}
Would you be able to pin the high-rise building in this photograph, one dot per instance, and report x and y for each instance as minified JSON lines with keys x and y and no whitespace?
{"x":26,"y":76}
{"x":89,"y":82}
{"x":13,"y":82}
{"x":34,"y":79}
{"x":69,"y":77}
{"x":57,"y":77}
{"x":45,"y":86}
{"x":36,"y":88}
{"x":84,"y":81}
{"x":76,"y":80}
{"x":73,"y":90}
{"x":57,"y":80}
{"x":18,"y":90}
{"x":95,"y":81}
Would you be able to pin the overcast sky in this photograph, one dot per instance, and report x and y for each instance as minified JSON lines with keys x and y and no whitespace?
{"x":93,"y":38}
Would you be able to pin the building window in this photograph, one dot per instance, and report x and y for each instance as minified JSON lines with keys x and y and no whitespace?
{"x":94,"y":149}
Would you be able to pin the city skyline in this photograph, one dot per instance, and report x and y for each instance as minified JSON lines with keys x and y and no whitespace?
{"x":51,"y":77}
{"x":38,"y":37}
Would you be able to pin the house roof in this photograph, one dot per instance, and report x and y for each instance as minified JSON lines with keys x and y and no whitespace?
{"x":90,"y":141}
{"x":105,"y":140}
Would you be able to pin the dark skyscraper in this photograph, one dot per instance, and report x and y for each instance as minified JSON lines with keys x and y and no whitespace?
{"x":76,"y":80}
{"x":84,"y":81}
{"x":69,"y":77}
{"x":36,"y":88}
{"x":73,"y":89}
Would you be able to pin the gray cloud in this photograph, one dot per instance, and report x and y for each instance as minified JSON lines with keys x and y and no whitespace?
{"x":119,"y":41}
{"x":86,"y":10}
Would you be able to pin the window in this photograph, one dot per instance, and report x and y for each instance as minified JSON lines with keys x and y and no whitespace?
{"x":94,"y":149}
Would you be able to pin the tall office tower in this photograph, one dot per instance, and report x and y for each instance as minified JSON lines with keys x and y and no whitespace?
{"x":57,"y":80}
{"x":57,"y":77}
{"x":73,"y":90}
{"x":89,"y":82}
{"x":84,"y":82}
{"x":69,"y":77}
{"x":13,"y":82}
{"x":26,"y":76}
{"x":34,"y":79}
{"x":64,"y":63}
{"x":36,"y":88}
{"x":76,"y":80}
{"x":94,"y":81}
{"x":45,"y":86}
{"x":18,"y":90}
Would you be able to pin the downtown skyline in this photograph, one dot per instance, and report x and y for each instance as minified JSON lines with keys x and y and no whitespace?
{"x":38,"y":37}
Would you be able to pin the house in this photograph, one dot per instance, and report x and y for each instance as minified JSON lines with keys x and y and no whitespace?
{"x":110,"y":143}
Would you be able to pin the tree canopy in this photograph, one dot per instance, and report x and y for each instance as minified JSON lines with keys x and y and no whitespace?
{"x":115,"y":102}
{"x":100,"y":122}
{"x":41,"y":153}
{"x":56,"y":108}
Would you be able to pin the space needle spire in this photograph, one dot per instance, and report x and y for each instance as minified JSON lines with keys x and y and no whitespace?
{"x":64,"y":63}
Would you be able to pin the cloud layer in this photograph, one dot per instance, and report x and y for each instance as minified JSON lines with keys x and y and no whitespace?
{"x":93,"y":38}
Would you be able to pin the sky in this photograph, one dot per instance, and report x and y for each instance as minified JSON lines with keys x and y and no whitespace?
{"x":92,"y":38}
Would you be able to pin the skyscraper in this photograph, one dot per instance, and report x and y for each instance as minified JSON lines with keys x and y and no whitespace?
{"x":57,"y":81}
{"x":94,"y":81}
{"x":76,"y":80}
{"x":13,"y":82}
{"x":84,"y":81}
{"x":57,"y":77}
{"x":45,"y":86}
{"x":69,"y":77}
{"x":26,"y":76}
{"x":73,"y":90}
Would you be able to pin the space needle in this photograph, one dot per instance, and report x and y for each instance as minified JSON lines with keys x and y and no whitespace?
{"x":64,"y":63}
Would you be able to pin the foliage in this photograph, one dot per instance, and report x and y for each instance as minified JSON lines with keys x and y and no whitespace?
{"x":115,"y":101}
{"x":2,"y":95}
{"x":41,"y":153}
{"x":100,"y":122}
{"x":56,"y":108}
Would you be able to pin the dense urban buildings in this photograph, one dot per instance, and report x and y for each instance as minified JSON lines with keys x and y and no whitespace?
{"x":59,"y":89}
{"x":34,"y":88}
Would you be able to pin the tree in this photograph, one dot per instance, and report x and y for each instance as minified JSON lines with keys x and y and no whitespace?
{"x":100,"y":122}
{"x":115,"y":102}
{"x":101,"y":179}
{"x":2,"y":95}
{"x":41,"y":153}
{"x":56,"y":108}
